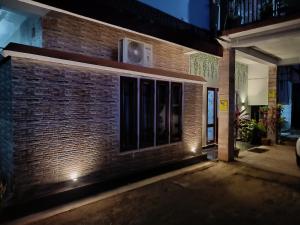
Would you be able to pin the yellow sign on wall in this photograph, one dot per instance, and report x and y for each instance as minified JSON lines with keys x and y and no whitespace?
{"x":272,"y":93}
{"x":223,"y":105}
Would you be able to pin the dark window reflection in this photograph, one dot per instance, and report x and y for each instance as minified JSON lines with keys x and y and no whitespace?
{"x":162,"y":115}
{"x":176,"y":112}
{"x":128,"y":113}
{"x":146,"y":113}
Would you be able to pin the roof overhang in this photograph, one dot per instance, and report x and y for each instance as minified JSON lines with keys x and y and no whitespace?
{"x":144,"y":20}
{"x":272,"y":44}
{"x":78,"y":60}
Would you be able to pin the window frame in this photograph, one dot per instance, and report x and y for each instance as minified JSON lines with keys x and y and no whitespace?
{"x":155,"y":146}
{"x":136,"y":134}
{"x":171,"y":137}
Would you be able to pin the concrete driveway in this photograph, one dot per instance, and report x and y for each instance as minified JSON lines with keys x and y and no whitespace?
{"x":277,"y":158}
{"x":235,"y":193}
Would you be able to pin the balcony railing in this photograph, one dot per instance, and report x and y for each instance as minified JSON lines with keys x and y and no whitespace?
{"x":235,"y":13}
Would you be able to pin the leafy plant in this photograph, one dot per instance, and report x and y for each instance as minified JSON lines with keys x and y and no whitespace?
{"x":276,"y":121}
{"x":246,"y":130}
{"x":260,"y":126}
{"x":240,"y":118}
{"x":259,"y":132}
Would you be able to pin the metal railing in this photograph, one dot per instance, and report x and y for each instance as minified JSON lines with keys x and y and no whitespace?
{"x":235,"y":13}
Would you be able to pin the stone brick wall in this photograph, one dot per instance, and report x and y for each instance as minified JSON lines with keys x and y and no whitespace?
{"x":226,"y":115}
{"x":66,"y":120}
{"x":6,"y":143}
{"x":72,"y":34}
{"x":192,"y":115}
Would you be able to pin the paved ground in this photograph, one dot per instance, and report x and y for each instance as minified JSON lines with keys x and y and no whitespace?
{"x":236,"y":193}
{"x":279,"y":159}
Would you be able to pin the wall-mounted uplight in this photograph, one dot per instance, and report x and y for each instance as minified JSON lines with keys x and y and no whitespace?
{"x":193,"y":149}
{"x":74,"y":177}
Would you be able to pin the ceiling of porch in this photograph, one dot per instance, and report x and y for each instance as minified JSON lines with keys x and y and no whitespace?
{"x":275,"y":44}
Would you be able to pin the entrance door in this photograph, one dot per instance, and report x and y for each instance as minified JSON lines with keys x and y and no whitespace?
{"x":212,"y":120}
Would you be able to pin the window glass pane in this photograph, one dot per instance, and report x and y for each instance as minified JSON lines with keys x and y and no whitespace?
{"x":210,"y":107}
{"x":128,"y":109}
{"x":162,"y":112}
{"x":176,"y":112}
{"x":210,"y":134}
{"x":146,"y":113}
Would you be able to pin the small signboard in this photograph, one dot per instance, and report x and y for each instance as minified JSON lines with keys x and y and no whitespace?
{"x":272,"y":93}
{"x":223,"y":105}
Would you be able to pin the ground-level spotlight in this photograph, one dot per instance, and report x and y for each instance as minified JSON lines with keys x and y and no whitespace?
{"x":74,"y":177}
{"x":193,"y":149}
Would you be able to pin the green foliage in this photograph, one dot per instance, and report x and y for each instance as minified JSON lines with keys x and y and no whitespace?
{"x":204,"y":65}
{"x":250,"y":130}
{"x":270,"y":120}
{"x":261,"y":128}
{"x":246,"y":129}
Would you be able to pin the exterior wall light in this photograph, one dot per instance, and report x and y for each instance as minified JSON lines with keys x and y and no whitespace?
{"x":193,"y":149}
{"x":74,"y":177}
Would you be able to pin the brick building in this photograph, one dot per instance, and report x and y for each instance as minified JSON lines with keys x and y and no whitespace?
{"x":70,"y":111}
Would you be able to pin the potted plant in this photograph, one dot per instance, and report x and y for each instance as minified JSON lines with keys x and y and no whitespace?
{"x":264,"y":119}
{"x":241,"y":117}
{"x":259,"y":131}
{"x":246,"y":130}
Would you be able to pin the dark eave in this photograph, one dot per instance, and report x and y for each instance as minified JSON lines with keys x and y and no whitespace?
{"x":139,"y":17}
{"x":101,"y":62}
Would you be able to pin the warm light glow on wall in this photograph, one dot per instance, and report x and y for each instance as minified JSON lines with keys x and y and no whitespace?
{"x":74,"y":176}
{"x":193,"y":149}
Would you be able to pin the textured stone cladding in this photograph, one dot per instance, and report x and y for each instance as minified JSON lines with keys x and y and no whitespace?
{"x":66,"y":122}
{"x":192,"y":116}
{"x":72,"y":34}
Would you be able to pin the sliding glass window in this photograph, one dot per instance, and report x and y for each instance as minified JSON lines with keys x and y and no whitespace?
{"x":176,"y":112}
{"x":129,"y":109}
{"x":146,"y":113}
{"x":162,"y":112}
{"x":151,"y":113}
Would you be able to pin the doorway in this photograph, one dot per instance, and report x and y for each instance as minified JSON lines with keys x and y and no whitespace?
{"x":212,"y":116}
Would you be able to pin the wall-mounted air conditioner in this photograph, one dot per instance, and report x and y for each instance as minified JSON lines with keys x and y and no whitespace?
{"x":135,"y":52}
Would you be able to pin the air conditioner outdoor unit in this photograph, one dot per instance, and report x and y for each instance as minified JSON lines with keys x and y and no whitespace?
{"x":135,"y":52}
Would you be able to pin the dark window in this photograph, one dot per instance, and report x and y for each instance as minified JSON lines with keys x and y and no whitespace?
{"x":151,"y":114}
{"x":128,"y":114}
{"x":146,"y":113}
{"x":176,"y":112}
{"x":162,"y":112}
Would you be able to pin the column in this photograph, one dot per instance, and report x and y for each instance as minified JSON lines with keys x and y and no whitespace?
{"x":226,"y":106}
{"x":272,"y":102}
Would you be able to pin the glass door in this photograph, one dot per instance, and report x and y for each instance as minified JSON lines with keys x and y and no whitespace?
{"x":212,"y":120}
